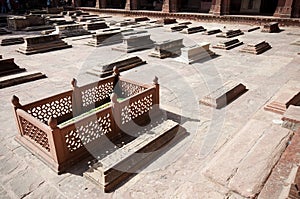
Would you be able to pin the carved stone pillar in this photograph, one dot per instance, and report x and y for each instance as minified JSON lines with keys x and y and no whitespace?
{"x":284,"y":9}
{"x":127,"y":5}
{"x":102,"y":3}
{"x":166,"y":6}
{"x":220,"y":7}
{"x":170,"y":6}
{"x":296,"y":9}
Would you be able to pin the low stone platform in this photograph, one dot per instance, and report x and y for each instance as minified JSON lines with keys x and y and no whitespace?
{"x":230,"y":33}
{"x":193,"y":29}
{"x":166,"y":21}
{"x":224,"y":95}
{"x":228,"y":44}
{"x":12,"y":41}
{"x":19,"y":78}
{"x":254,"y":150}
{"x":135,"y":42}
{"x":71,"y":30}
{"x":211,"y":32}
{"x":8,"y":67}
{"x":118,"y":166}
{"x":256,"y":48}
{"x":121,"y":65}
{"x":178,"y":28}
{"x":106,"y":38}
{"x":44,"y":43}
{"x":271,"y":27}
{"x":95,"y":26}
{"x":195,"y":53}
{"x":167,"y":48}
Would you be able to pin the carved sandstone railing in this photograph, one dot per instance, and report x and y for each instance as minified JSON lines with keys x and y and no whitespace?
{"x":57,"y":128}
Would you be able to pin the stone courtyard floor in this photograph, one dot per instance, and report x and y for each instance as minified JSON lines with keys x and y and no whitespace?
{"x":181,"y":172}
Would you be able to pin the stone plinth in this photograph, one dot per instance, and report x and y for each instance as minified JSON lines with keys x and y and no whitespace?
{"x":178,"y":28}
{"x":194,"y":29}
{"x":271,"y":27}
{"x":291,"y":118}
{"x":230,"y":33}
{"x":95,"y":26}
{"x":44,"y":43}
{"x":167,"y":48}
{"x":224,"y":95}
{"x":8,"y":66}
{"x":256,"y":48}
{"x":195,"y":53}
{"x":135,"y":43}
{"x":21,"y":22}
{"x":12,"y":41}
{"x":166,"y":21}
{"x":139,"y":19}
{"x":106,"y":38}
{"x":228,"y":44}
{"x":122,"y":65}
{"x":71,"y":30}
{"x":211,"y":32}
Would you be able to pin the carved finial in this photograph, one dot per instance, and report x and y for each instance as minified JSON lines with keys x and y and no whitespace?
{"x":52,"y":122}
{"x":114,"y":98}
{"x":155,"y":80}
{"x":116,"y":71}
{"x":74,"y":83}
{"x":15,"y":101}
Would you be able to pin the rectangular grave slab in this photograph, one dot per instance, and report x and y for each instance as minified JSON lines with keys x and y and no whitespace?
{"x":118,"y":166}
{"x":122,"y":65}
{"x":4,"y":31}
{"x":271,"y":28}
{"x":291,"y":118}
{"x":106,"y":38}
{"x":228,"y":44}
{"x":185,"y":23}
{"x":87,"y":18}
{"x":194,"y":29}
{"x":211,"y":32}
{"x":251,"y":29}
{"x":12,"y":41}
{"x":125,"y":23}
{"x":224,"y":95}
{"x":167,"y":48}
{"x":283,"y":101}
{"x":166,"y":21}
{"x":140,"y":19}
{"x":21,"y":22}
{"x":195,"y":53}
{"x":256,"y":48}
{"x":71,"y":30}
{"x":178,"y":28}
{"x":95,"y":26}
{"x":19,"y":78}
{"x":43,"y":43}
{"x":297,"y":43}
{"x":8,"y":67}
{"x":230,"y":33}
{"x":153,"y":26}
{"x":135,"y":42}
{"x":37,"y":28}
{"x":133,"y":32}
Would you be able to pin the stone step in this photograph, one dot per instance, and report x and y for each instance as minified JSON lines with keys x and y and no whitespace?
{"x":20,"y":78}
{"x":118,"y":166}
{"x":245,"y":163}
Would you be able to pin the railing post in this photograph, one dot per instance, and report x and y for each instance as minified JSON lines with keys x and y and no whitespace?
{"x":116,"y":84}
{"x":116,"y":113}
{"x":76,"y":99}
{"x":156,"y":95}
{"x":16,"y":105}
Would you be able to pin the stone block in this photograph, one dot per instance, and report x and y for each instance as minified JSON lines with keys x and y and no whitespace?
{"x":195,"y":53}
{"x":12,"y":41}
{"x":139,"y":19}
{"x":166,"y":21}
{"x":125,"y":23}
{"x":211,"y":32}
{"x":106,"y":38}
{"x":271,"y":27}
{"x":44,"y":43}
{"x":8,"y":67}
{"x":251,"y":29}
{"x":19,"y":78}
{"x":185,"y":23}
{"x":135,"y":42}
{"x":230,"y":33}
{"x":21,"y":22}
{"x":178,"y":28}
{"x":193,"y":29}
{"x":256,"y":48}
{"x":95,"y":26}
{"x":37,"y":28}
{"x":4,"y":31}
{"x":291,"y":118}
{"x":167,"y":48}
{"x":224,"y":95}
{"x":228,"y":44}
{"x":71,"y":30}
{"x":122,"y":65}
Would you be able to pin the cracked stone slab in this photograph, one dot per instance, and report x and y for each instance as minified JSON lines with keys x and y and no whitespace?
{"x":244,"y":164}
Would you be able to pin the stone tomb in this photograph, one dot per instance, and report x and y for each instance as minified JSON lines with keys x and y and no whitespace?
{"x":121,"y":65}
{"x":193,"y":29}
{"x":4,"y":31}
{"x":166,"y":21}
{"x":195,"y":53}
{"x":21,"y":22}
{"x":230,"y":33}
{"x":95,"y":26}
{"x":139,"y":19}
{"x":271,"y":27}
{"x":167,"y":48}
{"x":125,"y":23}
{"x":297,"y":43}
{"x":283,"y":101}
{"x":11,"y":74}
{"x":43,"y":43}
{"x":251,"y":29}
{"x":135,"y":42}
{"x":106,"y":38}
{"x":291,"y":118}
{"x":224,"y":95}
{"x":228,"y":44}
{"x":12,"y":41}
{"x":71,"y":30}
{"x":211,"y":32}
{"x":178,"y":28}
{"x":256,"y":48}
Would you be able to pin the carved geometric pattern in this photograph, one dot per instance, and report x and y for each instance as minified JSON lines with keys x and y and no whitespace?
{"x":53,"y":109}
{"x":96,"y":94}
{"x":35,"y":134}
{"x":136,"y":108}
{"x":129,"y":89}
{"x":88,"y":132}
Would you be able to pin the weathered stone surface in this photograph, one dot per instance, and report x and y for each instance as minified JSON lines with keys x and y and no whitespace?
{"x":245,"y":163}
{"x":193,"y":29}
{"x":211,"y":32}
{"x":122,"y":65}
{"x":271,"y":27}
{"x":224,"y":95}
{"x":228,"y":44}
{"x":106,"y":38}
{"x":167,"y":48}
{"x":39,"y":44}
{"x":12,"y":41}
{"x":71,"y":30}
{"x":230,"y":33}
{"x":291,"y":118}
{"x":256,"y":48}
